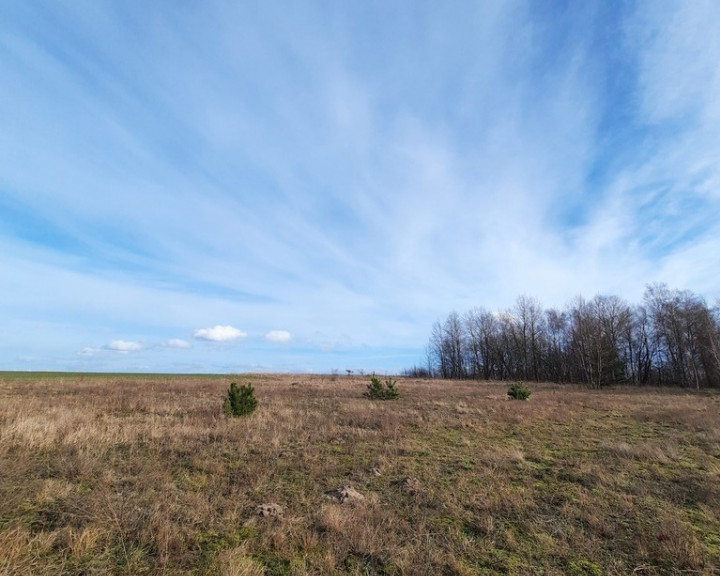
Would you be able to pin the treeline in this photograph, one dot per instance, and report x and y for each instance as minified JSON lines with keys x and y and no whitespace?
{"x":671,"y":339}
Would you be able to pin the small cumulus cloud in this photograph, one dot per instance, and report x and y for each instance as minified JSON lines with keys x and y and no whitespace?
{"x":219,"y":334}
{"x":177,"y":343}
{"x":278,"y":336}
{"x":124,"y":346}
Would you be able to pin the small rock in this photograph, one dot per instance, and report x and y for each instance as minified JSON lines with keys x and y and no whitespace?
{"x":344,"y":494}
{"x":361,"y":475}
{"x":410,"y":485}
{"x":266,"y":510}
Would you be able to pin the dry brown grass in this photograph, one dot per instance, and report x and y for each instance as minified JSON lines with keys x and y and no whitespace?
{"x":144,"y":475}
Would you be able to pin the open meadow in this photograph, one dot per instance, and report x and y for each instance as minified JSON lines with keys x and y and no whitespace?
{"x":136,"y":474}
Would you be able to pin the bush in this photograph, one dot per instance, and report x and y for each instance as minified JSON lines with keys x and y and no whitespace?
{"x":240,"y":401}
{"x":518,"y":391}
{"x":376,"y":390}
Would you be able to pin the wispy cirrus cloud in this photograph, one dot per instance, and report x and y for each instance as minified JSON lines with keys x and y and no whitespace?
{"x":89,"y":351}
{"x":177,"y":343}
{"x":278,"y":336}
{"x":338,"y":172}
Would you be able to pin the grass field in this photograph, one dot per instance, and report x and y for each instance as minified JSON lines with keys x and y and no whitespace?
{"x":122,"y":474}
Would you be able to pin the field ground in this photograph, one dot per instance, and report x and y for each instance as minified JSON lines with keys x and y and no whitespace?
{"x":122,"y":474}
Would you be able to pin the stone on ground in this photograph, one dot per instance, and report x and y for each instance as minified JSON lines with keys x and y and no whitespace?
{"x":344,"y":494}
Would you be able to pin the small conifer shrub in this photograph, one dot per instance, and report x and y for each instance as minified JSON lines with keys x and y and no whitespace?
{"x":518,"y":391}
{"x":240,"y":401}
{"x":378,"y":390}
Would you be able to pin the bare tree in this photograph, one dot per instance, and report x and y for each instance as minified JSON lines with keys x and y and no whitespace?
{"x":473,"y":342}
{"x":638,"y":351}
{"x":530,"y":331}
{"x":613,"y":315}
{"x":453,"y":339}
{"x":556,"y":365}
{"x":673,"y":338}
{"x":446,"y":347}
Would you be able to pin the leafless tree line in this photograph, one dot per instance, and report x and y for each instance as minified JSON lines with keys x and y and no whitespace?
{"x":672,"y":338}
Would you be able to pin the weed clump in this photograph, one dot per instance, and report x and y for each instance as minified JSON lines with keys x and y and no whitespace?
{"x":378,"y":390}
{"x":240,"y":401}
{"x":518,"y":391}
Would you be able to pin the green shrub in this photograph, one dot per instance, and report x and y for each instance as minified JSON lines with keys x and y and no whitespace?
{"x":376,"y":390}
{"x":518,"y":391}
{"x":240,"y":401}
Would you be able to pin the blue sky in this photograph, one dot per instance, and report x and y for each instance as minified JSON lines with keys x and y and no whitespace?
{"x":240,"y":186}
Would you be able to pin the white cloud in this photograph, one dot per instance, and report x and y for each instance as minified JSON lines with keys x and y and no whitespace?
{"x":678,"y":45}
{"x":124,"y":346}
{"x":219,"y":334}
{"x":88,"y":351}
{"x":177,"y":343}
{"x":278,"y":336}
